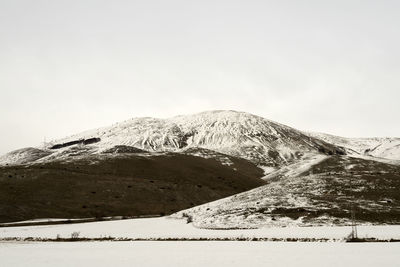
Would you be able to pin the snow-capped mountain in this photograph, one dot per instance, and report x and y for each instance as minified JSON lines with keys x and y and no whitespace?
{"x":239,"y":134}
{"x":147,"y":166}
{"x":378,"y":147}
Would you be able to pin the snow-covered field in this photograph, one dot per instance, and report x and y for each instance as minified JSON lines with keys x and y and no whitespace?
{"x":164,"y":227}
{"x":204,"y":253}
{"x":195,"y":253}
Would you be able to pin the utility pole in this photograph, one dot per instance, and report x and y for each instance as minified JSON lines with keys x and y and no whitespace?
{"x":353,"y":214}
{"x":353,"y":224}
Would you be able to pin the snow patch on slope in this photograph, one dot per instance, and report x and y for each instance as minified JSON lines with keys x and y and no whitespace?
{"x":297,"y":168}
{"x":380,"y":147}
{"x":23,"y":155}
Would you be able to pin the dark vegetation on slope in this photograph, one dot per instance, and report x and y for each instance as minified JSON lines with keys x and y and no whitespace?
{"x":122,"y":184}
{"x":124,"y":149}
{"x":76,"y":142}
{"x":369,"y":187}
{"x":326,"y":194}
{"x":339,"y":185}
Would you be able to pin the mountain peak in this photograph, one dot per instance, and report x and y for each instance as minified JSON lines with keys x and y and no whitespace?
{"x":235,"y":133}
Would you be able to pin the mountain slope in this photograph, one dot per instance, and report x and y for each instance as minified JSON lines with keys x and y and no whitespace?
{"x":378,"y":147}
{"x":324,"y":195}
{"x":120,"y":184}
{"x":23,"y":156}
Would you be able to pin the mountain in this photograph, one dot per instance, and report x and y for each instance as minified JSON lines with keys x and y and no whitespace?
{"x":238,"y":134}
{"x":203,"y":166}
{"x":378,"y":147}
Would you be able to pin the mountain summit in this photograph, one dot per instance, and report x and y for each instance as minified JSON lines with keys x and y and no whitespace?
{"x":239,"y":134}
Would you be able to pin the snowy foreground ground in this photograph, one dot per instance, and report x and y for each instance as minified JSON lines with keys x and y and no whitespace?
{"x":194,"y":253}
{"x":164,"y":227}
{"x":201,"y":253}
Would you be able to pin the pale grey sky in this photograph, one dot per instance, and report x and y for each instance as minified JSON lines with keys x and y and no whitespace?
{"x":67,"y":66}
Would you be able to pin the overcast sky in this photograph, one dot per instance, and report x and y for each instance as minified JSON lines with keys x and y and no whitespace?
{"x":67,"y":66}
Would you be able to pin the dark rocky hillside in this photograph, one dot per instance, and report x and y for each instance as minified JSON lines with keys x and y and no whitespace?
{"x":324,"y":195}
{"x":122,"y":184}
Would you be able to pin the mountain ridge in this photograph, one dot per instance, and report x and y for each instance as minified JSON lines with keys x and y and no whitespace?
{"x":373,"y":147}
{"x":262,"y":141}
